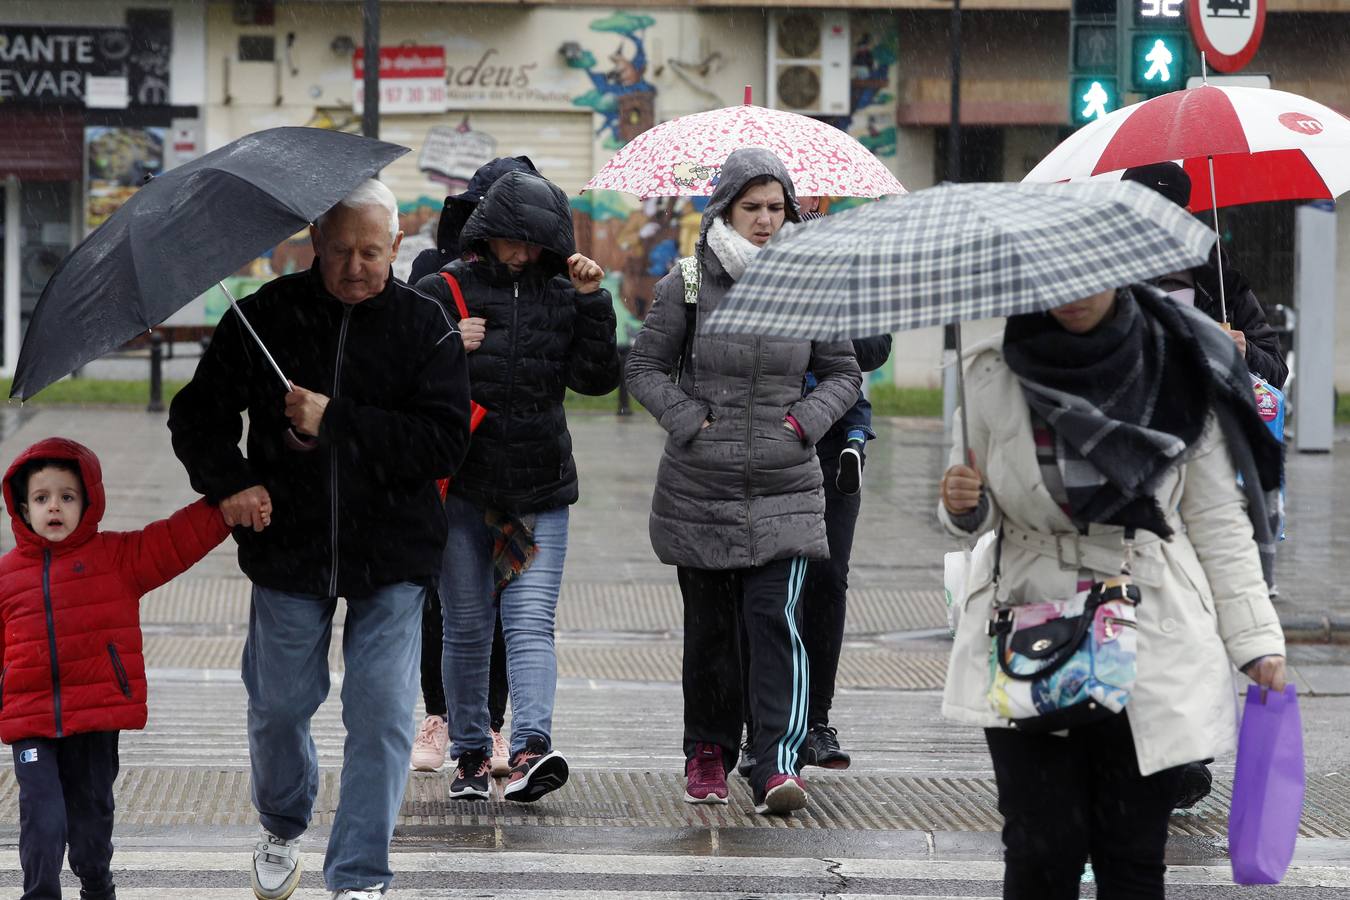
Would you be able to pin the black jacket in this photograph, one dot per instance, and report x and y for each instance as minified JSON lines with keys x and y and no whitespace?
{"x":362,"y":510}
{"x":1264,"y":354}
{"x":542,"y":338}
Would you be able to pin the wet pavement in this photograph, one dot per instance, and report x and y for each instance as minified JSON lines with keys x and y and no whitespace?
{"x":919,"y":794}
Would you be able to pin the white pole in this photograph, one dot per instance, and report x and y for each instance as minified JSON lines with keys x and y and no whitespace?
{"x":13,"y":225}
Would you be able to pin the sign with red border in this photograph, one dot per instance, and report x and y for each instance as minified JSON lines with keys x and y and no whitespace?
{"x":1228,"y":31}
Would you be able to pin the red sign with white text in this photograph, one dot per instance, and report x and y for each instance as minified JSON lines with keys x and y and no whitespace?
{"x":412,"y":79}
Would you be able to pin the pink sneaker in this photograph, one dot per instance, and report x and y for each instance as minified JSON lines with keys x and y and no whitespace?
{"x":705,"y":776}
{"x":428,"y":751}
{"x":501,"y":756}
{"x":782,"y":795}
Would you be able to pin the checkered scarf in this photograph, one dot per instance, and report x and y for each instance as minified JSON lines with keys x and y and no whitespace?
{"x":513,"y":546}
{"x":1127,"y":400}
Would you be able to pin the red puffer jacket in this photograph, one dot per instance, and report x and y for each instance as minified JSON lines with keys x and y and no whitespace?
{"x":71,"y":644}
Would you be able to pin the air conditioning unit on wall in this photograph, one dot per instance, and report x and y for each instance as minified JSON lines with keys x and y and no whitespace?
{"x":809,"y":52}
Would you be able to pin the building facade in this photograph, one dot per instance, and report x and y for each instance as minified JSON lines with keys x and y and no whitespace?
{"x":567,"y":85}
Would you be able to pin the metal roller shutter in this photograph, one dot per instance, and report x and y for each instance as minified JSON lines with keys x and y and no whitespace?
{"x":559,"y":144}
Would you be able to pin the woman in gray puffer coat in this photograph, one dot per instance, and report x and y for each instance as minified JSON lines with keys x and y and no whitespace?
{"x":739,"y":504}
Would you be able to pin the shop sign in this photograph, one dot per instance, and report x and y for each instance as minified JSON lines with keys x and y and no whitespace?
{"x":412,"y":80}
{"x":51,"y":65}
{"x":491,"y":80}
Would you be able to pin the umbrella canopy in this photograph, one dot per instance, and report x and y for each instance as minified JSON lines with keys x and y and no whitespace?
{"x":183,"y":232}
{"x":682,"y":157}
{"x":957,"y":252}
{"x":1266,"y":144}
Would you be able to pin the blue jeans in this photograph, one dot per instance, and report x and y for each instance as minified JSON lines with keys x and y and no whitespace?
{"x":285,"y":671}
{"x":528,"y":606}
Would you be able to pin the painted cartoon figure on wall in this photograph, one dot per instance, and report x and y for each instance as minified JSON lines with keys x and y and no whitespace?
{"x":626,"y":75}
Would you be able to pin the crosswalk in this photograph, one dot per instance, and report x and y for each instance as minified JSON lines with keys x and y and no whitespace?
{"x":143,"y":874}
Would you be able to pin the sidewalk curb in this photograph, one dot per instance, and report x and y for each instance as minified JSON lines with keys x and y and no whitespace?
{"x":1329,"y":628}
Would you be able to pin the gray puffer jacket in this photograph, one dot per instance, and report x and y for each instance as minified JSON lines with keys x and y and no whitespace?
{"x":746,"y":490}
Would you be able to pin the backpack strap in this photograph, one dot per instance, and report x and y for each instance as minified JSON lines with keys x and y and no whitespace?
{"x":457,"y":294}
{"x":689,"y":271}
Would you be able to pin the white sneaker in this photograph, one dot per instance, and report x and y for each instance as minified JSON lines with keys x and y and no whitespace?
{"x":374,"y":892}
{"x":276,"y":867}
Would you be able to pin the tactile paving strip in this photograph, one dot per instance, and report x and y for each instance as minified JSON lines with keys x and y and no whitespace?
{"x":638,"y":660}
{"x":634,"y":799}
{"x":583,"y":607}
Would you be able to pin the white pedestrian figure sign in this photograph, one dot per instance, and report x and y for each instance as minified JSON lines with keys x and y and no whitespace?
{"x":1095,"y":100}
{"x":1161,"y":58}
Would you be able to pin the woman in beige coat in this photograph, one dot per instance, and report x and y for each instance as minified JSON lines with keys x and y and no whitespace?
{"x":1149,"y":416}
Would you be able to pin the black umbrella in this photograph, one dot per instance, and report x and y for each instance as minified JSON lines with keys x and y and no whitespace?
{"x":183,"y":232}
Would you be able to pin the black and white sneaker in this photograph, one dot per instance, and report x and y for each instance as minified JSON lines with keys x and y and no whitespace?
{"x":473,"y":777}
{"x":822,"y":749}
{"x":535,"y":771}
{"x":849,"y":479}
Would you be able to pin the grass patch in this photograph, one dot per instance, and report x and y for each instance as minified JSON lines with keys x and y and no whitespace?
{"x":1343,"y":409}
{"x":96,"y":392}
{"x":889,"y":400}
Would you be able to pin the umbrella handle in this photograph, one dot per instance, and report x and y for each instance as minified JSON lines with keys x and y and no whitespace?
{"x":285,"y":382}
{"x":1218,"y":241}
{"x":293,"y":439}
{"x":961,"y":394}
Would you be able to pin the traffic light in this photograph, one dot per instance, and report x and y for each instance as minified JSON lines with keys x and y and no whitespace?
{"x":1154,"y":45}
{"x":1093,"y":60}
{"x":1091,"y":98}
{"x":1158,"y":61}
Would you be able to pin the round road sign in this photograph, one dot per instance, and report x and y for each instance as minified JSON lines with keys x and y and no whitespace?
{"x":1228,"y":31}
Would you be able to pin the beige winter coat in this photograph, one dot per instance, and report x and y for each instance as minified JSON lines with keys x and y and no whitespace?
{"x":1204,"y":608}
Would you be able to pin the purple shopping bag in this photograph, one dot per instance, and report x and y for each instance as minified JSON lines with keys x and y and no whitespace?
{"x":1267,"y":789}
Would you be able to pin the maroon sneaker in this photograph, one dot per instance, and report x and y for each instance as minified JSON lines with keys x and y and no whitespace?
{"x":705,"y":777}
{"x":782,"y":795}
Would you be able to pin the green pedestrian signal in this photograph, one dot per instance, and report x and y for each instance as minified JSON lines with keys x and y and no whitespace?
{"x":1091,"y":99}
{"x":1157,"y":61}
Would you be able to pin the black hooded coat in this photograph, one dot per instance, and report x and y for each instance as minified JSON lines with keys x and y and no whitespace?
{"x":456,"y":213}
{"x":543,"y":337}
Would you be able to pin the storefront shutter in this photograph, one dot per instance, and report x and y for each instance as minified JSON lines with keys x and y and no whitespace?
{"x":41,"y":145}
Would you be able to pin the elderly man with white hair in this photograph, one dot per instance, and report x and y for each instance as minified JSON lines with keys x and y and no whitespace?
{"x":335,"y":497}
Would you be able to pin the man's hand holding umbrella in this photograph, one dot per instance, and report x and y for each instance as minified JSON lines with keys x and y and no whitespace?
{"x":305,"y":410}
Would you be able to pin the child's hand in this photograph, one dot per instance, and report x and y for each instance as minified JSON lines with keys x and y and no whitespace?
{"x":251,"y":507}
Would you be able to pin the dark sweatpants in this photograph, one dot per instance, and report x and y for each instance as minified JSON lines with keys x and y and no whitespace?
{"x":66,"y":799}
{"x":1065,"y":799}
{"x":765,"y":599}
{"x":825,"y":595}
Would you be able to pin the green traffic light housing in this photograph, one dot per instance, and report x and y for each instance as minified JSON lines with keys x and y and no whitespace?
{"x":1157,"y":61}
{"x":1091,"y":98}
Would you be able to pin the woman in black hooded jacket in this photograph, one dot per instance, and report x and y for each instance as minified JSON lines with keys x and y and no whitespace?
{"x":549,"y":327}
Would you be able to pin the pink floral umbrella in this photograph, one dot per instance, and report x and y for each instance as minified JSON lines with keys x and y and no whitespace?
{"x":683,"y":157}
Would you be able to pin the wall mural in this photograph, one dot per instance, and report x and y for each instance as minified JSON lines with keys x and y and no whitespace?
{"x":625,"y":76}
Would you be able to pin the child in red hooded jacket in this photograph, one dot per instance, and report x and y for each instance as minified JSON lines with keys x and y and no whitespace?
{"x":73,"y":675}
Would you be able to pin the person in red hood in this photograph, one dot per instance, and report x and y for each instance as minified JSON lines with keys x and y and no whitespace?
{"x":72,"y":672}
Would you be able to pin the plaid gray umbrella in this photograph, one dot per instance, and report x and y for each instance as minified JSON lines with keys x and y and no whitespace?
{"x":959,"y":252}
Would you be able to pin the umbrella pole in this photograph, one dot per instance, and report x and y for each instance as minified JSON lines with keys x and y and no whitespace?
{"x":1218,"y":241}
{"x":961,"y":395}
{"x":286,"y":382}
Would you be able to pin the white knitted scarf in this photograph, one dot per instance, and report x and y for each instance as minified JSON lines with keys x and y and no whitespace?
{"x":734,"y":251}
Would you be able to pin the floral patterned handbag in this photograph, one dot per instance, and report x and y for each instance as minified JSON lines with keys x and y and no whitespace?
{"x":1065,"y":663}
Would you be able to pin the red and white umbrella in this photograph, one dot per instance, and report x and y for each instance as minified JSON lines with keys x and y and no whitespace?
{"x":683,"y":157}
{"x":1266,"y":145}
